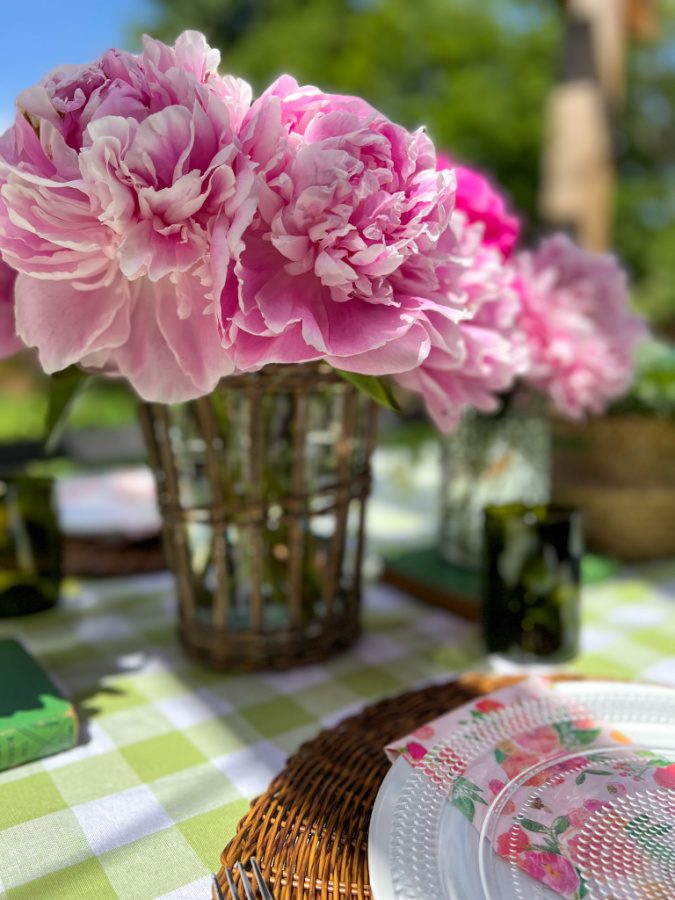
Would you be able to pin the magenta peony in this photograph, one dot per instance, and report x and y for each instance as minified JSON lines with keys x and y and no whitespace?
{"x":9,"y":342}
{"x":351,"y":246}
{"x":481,"y":201}
{"x":116,"y":181}
{"x":576,"y":319}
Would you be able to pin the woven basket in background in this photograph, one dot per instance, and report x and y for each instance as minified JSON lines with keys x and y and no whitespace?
{"x":620,"y":470}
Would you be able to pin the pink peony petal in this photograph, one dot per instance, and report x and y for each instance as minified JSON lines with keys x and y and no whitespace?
{"x":146,"y":359}
{"x":66,"y":323}
{"x":10,"y":342}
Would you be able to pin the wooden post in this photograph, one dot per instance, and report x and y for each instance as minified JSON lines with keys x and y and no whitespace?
{"x":578,"y":173}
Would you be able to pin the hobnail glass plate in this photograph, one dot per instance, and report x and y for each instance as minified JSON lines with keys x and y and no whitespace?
{"x":422,"y":848}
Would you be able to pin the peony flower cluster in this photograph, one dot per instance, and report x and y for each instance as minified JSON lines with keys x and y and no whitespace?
{"x":576,"y":320}
{"x":156,"y":224}
{"x":561,"y":315}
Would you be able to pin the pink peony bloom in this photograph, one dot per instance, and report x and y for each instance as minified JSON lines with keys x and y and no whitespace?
{"x":579,"y":329}
{"x":470,"y":368}
{"x":116,"y":182}
{"x":351,"y":247}
{"x":9,"y":342}
{"x":480,"y":200}
{"x":552,"y":870}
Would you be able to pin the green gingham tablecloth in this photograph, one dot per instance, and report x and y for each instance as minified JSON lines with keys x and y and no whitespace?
{"x":171,"y":754}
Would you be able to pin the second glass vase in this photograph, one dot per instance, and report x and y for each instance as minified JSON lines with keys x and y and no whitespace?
{"x":487,"y":461}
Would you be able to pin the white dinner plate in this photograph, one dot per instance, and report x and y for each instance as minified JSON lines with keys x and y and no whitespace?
{"x":422,"y":848}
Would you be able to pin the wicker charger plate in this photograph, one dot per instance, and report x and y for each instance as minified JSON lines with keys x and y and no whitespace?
{"x":309,"y":831}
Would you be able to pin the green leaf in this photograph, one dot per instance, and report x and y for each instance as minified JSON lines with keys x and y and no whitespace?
{"x":658,"y":830}
{"x":598,"y":772}
{"x":562,"y":823}
{"x":531,"y":825}
{"x":500,"y":755}
{"x":666,"y":854}
{"x":580,"y":778}
{"x":373,"y":387}
{"x":65,"y":387}
{"x":584,"y":737}
{"x":464,"y":786}
{"x":465,"y":806}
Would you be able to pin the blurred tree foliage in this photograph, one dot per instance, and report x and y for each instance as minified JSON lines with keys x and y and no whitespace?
{"x":477,"y":74}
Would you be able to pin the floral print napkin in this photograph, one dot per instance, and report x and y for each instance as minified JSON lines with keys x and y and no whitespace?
{"x":584,"y":789}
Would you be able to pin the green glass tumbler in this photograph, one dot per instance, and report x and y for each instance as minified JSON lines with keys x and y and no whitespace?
{"x":531,"y":583}
{"x":30,"y":558}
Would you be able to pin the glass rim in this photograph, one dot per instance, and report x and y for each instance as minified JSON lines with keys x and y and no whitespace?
{"x":530,"y":514}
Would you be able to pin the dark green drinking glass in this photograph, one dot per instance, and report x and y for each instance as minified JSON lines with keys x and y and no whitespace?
{"x":30,"y":559}
{"x":531,"y":582}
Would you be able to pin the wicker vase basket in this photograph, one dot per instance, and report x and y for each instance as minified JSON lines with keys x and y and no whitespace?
{"x":262,"y":487}
{"x":620,"y":470}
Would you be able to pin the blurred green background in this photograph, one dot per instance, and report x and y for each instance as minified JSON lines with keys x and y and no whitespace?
{"x":477,"y":73}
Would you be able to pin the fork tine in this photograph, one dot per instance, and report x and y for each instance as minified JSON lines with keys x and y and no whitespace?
{"x":248,"y":890}
{"x":218,"y":894}
{"x":262,"y":884}
{"x":231,"y":885}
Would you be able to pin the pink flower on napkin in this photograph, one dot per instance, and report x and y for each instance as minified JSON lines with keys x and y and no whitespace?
{"x":424,"y":732}
{"x":488,"y":705}
{"x":544,"y":740}
{"x":664,"y":776}
{"x":415,"y":750}
{"x":551,"y":869}
{"x":496,"y":787}
{"x":512,"y":842}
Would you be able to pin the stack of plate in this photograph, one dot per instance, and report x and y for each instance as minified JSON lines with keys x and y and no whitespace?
{"x":423,"y":848}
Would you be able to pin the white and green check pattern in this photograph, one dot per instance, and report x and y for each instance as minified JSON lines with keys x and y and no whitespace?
{"x":171,"y":754}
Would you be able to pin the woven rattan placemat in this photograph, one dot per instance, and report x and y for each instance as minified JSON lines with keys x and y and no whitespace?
{"x":310,"y":830}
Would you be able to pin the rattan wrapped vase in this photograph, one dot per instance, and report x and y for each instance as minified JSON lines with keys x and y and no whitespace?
{"x":262,"y":488}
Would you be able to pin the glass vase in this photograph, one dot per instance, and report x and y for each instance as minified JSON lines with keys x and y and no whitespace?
{"x":262,"y":488}
{"x":488,"y":461}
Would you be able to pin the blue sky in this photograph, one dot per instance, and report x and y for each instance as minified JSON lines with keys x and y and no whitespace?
{"x":37,"y":35}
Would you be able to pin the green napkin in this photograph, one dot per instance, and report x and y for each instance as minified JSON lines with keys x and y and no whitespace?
{"x":35,"y":719}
